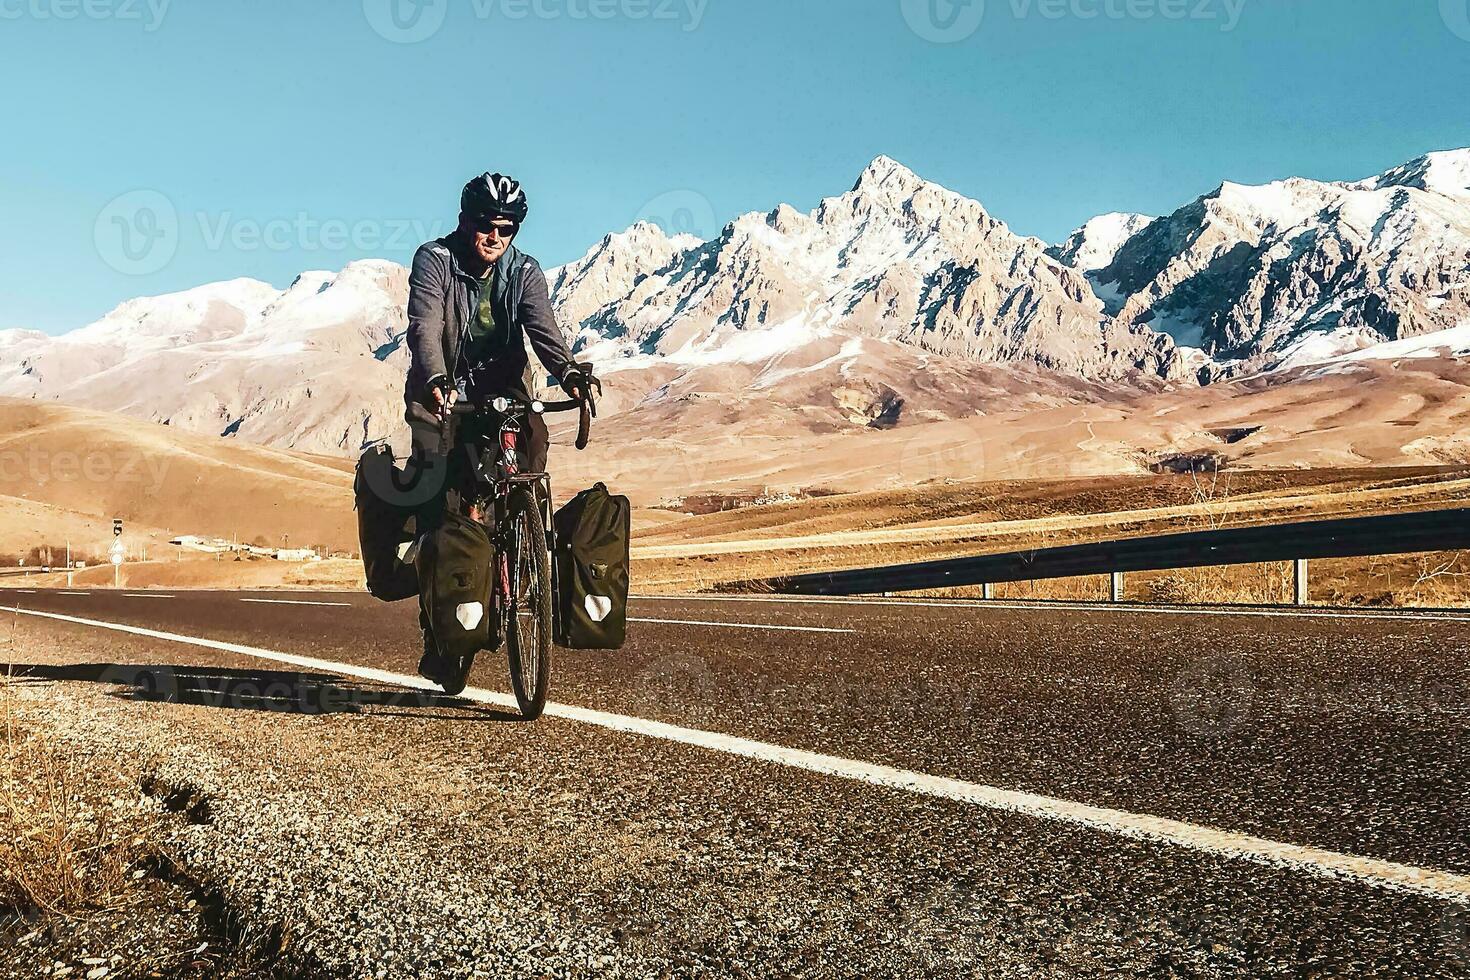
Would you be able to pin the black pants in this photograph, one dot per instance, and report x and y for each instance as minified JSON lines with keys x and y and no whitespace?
{"x":454,"y":458}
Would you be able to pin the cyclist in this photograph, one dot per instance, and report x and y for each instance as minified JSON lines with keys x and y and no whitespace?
{"x":474,"y":300}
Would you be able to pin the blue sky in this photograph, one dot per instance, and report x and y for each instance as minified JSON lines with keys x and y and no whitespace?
{"x":280,"y":135}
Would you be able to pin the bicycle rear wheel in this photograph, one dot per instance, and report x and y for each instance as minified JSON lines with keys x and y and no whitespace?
{"x":528,"y":633}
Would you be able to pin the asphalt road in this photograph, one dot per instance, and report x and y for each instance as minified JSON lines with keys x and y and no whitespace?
{"x":646,"y":855}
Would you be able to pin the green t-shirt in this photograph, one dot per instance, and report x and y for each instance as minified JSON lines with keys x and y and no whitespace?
{"x":485,"y":337}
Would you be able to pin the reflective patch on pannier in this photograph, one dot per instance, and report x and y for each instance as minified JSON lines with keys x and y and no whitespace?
{"x":469,"y":614}
{"x":598,"y":607}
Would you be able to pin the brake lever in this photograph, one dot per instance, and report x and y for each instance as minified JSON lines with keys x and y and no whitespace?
{"x":593,"y":382}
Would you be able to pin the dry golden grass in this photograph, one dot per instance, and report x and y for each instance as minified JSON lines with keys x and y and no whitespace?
{"x":87,"y":877}
{"x":337,"y":574}
{"x":60,"y":854}
{"x":893,"y":527}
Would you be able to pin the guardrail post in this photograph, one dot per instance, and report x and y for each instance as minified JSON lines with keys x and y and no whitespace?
{"x":1116,"y":587}
{"x":1299,"y":581}
{"x":987,"y":591}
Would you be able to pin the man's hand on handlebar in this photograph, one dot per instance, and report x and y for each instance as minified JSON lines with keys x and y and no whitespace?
{"x":575,"y":385}
{"x":443,"y":396}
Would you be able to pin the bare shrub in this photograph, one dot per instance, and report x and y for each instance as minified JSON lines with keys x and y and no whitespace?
{"x":60,"y":854}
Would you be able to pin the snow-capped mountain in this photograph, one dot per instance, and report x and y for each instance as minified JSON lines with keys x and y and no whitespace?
{"x":1258,"y":276}
{"x":317,"y":367}
{"x":896,"y":258}
{"x":611,"y":268}
{"x":896,"y":302}
{"x":1094,"y":245}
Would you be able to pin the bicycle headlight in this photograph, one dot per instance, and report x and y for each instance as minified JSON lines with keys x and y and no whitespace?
{"x":538,"y":407}
{"x":500,"y":405}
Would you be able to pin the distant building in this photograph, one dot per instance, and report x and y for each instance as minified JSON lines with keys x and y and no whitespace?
{"x":193,"y":542}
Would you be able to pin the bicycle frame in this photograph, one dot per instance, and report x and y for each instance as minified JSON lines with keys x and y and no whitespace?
{"x":506,"y":476}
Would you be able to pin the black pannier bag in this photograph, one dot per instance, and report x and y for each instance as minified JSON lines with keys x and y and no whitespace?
{"x":386,"y":501}
{"x":453,"y":564}
{"x":592,"y":540}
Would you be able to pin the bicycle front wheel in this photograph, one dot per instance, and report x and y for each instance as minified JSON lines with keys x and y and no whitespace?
{"x":528,"y":634}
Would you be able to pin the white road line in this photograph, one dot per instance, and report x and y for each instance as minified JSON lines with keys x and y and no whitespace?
{"x":743,"y":626}
{"x":146,"y":595}
{"x":73,"y":593}
{"x":981,"y":605}
{"x":1443,"y":885}
{"x":296,"y":602}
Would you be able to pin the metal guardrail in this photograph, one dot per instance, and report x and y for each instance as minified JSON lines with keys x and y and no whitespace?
{"x":1352,"y":537}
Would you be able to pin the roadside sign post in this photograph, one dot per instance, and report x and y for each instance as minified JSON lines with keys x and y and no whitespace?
{"x":117,"y":552}
{"x":117,"y":560}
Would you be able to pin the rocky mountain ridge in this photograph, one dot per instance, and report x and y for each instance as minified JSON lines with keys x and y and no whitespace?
{"x":897,"y":302}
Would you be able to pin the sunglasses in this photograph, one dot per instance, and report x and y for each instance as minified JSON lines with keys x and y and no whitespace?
{"x":489,"y":226}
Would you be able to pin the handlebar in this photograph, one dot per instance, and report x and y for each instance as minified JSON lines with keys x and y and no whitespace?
{"x":508,"y":405}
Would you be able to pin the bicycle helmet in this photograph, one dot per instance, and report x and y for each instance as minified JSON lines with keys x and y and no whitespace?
{"x":495,"y":196}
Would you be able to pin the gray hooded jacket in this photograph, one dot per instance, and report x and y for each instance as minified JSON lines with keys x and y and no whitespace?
{"x":442,"y":299}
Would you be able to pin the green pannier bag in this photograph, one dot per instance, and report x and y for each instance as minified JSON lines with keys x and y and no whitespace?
{"x":593,"y":531}
{"x":453,"y":564}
